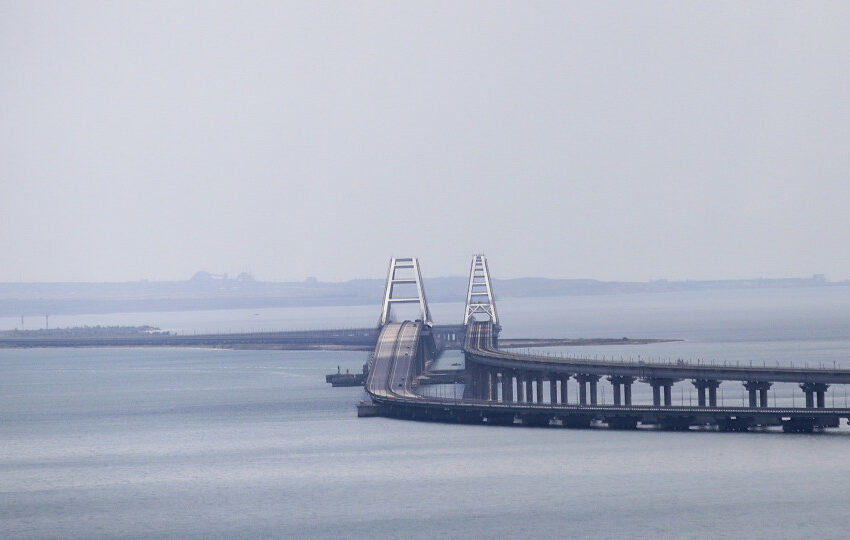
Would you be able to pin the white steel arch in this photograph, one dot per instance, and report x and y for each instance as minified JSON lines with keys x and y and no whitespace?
{"x":479,"y":295}
{"x":409,"y":275}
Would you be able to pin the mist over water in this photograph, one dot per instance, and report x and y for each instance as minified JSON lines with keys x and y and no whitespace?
{"x":217,"y":443}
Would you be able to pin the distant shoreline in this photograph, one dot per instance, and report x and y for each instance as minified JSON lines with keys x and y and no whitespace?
{"x":320,"y":340}
{"x":204,"y":292}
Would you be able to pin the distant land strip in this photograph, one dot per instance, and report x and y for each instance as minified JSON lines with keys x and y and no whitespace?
{"x":363,"y":339}
{"x":206,"y":291}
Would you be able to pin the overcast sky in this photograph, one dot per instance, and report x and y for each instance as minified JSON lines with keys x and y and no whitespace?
{"x":618,"y":141}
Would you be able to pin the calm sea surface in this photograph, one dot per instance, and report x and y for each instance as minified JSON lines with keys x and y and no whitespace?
{"x":207,"y":443}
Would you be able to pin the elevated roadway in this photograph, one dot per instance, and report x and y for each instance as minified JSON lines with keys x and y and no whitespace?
{"x":505,"y":388}
{"x":479,"y":347}
{"x":392,"y":385}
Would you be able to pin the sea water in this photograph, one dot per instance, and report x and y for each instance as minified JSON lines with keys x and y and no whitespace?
{"x":141,"y":443}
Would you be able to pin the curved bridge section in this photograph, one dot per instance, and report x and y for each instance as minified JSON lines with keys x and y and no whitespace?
{"x":506,"y":388}
{"x":505,"y":377}
{"x":397,"y":362}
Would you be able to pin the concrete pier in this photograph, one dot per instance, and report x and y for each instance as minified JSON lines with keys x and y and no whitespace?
{"x":508,"y":386}
{"x":553,"y":389}
{"x":619,"y":382}
{"x":758,"y":392}
{"x":585,"y":381}
{"x":659,"y":386}
{"x":813,"y":390}
{"x":709,"y":385}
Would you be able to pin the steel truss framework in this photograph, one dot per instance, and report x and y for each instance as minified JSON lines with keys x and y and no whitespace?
{"x":409,"y":275}
{"x":479,"y":296}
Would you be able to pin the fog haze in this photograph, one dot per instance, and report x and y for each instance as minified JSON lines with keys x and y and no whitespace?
{"x":616,"y":141}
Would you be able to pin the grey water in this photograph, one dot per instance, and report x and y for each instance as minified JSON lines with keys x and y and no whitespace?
{"x":136,"y":443}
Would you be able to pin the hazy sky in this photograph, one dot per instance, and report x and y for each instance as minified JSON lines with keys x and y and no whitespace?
{"x":624,"y":141}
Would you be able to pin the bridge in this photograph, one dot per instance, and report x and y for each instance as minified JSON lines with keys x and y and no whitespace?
{"x":507,"y":388}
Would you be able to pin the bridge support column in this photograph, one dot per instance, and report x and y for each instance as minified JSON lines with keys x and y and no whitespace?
{"x":657,"y":386}
{"x":508,"y":386}
{"x":553,"y":389}
{"x":564,"y":380}
{"x":520,"y":387}
{"x":758,"y":392}
{"x":618,"y":381}
{"x":469,"y":380}
{"x":585,"y":380}
{"x":481,"y":382}
{"x":712,"y":393}
{"x":494,"y":385}
{"x":539,"y":389}
{"x":815,"y":389}
{"x":706,"y":384}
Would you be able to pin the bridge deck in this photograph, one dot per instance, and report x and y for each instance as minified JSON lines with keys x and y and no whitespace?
{"x":392,"y":384}
{"x":479,"y":347}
